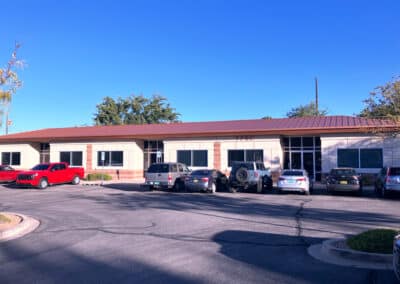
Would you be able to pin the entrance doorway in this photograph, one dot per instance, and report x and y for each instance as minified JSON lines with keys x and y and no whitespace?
{"x":303,"y":153}
{"x":153,"y":153}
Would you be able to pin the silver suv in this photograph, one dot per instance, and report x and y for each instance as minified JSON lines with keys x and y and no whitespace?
{"x":167,"y":175}
{"x":388,"y":181}
{"x":246,"y":175}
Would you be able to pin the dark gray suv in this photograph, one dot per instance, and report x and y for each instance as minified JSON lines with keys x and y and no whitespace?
{"x":167,"y":175}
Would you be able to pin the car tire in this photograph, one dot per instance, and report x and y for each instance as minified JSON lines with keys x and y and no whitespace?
{"x":76,"y":180}
{"x":178,"y":186}
{"x":43,"y":183}
{"x":232,"y":189}
{"x":307,"y":192}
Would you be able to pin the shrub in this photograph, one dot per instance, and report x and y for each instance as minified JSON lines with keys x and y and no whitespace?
{"x":375,"y":241}
{"x":98,"y":176}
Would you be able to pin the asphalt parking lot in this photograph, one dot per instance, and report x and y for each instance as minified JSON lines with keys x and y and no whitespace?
{"x":121,"y":233}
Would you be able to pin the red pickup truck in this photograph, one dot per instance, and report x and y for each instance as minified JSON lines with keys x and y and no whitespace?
{"x":43,"y":175}
{"x":8,"y":174}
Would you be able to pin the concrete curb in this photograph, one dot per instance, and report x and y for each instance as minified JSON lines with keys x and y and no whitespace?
{"x":26,"y":226}
{"x":329,"y":252}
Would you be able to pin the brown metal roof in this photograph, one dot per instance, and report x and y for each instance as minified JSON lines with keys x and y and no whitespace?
{"x":278,"y":126}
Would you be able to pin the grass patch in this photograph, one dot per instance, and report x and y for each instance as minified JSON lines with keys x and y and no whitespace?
{"x":98,"y":176}
{"x":4,"y":219}
{"x":374,"y":241}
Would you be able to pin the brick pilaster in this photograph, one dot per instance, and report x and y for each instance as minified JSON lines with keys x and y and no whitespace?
{"x":217,"y":155}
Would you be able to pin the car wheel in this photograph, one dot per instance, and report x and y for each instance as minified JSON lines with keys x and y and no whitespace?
{"x":384,"y":193}
{"x":43,"y":183}
{"x":232,"y":189}
{"x":307,"y":192}
{"x":178,"y":186}
{"x":76,"y":180}
{"x":259,"y":186}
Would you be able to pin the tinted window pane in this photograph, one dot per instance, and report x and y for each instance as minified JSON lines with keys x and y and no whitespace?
{"x":235,"y":155}
{"x":292,"y":173}
{"x":348,"y":158}
{"x":76,"y":159}
{"x":286,"y":142}
{"x":106,"y":161}
{"x":254,"y":156}
{"x":16,"y":158}
{"x":159,"y":168}
{"x":394,"y":171}
{"x":184,"y":157}
{"x":308,"y":142}
{"x":295,"y":142}
{"x":117,"y":158}
{"x":200,"y":158}
{"x":65,"y":157}
{"x":371,"y":158}
{"x":6,"y":158}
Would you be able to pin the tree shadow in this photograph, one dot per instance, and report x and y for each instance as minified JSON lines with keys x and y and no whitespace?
{"x":287,"y":256}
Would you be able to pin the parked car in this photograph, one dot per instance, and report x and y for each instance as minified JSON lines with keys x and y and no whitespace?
{"x":43,"y":175}
{"x":206,"y":180}
{"x":396,"y":256}
{"x":246,"y":175}
{"x":8,"y":174}
{"x":295,"y":180}
{"x":167,"y":175}
{"x":388,"y":181}
{"x":344,"y":180}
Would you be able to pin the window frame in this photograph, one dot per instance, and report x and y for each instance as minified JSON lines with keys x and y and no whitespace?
{"x":71,"y":158}
{"x":192,"y":160}
{"x":108,"y":159}
{"x":245,"y":160}
{"x":359,"y":160}
{"x":11,"y":159}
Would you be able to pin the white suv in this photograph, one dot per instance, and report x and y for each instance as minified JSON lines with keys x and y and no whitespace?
{"x":246,"y":175}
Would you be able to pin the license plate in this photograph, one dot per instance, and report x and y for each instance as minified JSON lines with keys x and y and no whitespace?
{"x":290,"y":181}
{"x":156,"y":183}
{"x":343,"y":182}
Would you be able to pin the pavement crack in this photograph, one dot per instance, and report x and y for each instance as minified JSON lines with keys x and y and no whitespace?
{"x":298,"y":215}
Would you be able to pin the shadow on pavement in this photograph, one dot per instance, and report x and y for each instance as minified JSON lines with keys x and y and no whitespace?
{"x":287,"y":255}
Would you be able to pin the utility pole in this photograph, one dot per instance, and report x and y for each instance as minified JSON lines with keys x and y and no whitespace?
{"x":316,"y":96}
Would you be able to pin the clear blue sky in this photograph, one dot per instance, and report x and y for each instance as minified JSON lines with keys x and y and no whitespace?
{"x":213,"y":60}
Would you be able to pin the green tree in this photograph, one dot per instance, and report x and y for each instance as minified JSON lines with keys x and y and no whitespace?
{"x":306,"y":110}
{"x":384,"y":101}
{"x":9,"y":84}
{"x":135,"y":110}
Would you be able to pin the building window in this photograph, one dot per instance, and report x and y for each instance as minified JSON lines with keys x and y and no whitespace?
{"x":11,"y":158}
{"x":348,"y":158}
{"x":112,"y":159}
{"x":193,"y":158}
{"x":371,"y":158}
{"x":245,"y":156}
{"x":74,"y":159}
{"x":360,"y":158}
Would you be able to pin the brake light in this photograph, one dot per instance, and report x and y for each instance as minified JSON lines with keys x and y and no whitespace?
{"x":301,"y":179}
{"x":255,"y":174}
{"x":205,"y":179}
{"x":169,"y":178}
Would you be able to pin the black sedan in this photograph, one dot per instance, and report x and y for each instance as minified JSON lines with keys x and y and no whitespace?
{"x":344,"y":180}
{"x":206,"y":180}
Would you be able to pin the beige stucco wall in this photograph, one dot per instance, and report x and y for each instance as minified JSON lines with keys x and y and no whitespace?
{"x":133,"y":154}
{"x":330,"y":144}
{"x":56,"y":148}
{"x":270,"y":145}
{"x":29,"y":154}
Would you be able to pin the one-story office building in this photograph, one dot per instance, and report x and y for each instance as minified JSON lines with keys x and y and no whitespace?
{"x":316,"y":144}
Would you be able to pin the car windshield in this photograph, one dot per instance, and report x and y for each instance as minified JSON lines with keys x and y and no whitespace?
{"x":201,"y":173}
{"x":292,"y":173}
{"x":41,"y":167}
{"x":343,"y":172}
{"x":158,"y":168}
{"x":394,"y":172}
